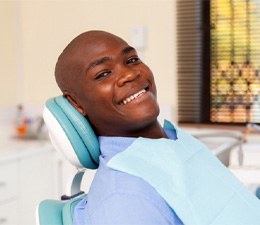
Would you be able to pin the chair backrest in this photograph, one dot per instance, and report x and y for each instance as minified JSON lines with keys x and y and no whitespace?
{"x":56,"y":212}
{"x":71,"y":134}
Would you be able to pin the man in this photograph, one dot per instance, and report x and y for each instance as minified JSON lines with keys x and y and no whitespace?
{"x":105,"y":80}
{"x":147,"y":174}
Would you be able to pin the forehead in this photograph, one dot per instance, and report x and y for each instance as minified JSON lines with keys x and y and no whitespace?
{"x":91,"y":47}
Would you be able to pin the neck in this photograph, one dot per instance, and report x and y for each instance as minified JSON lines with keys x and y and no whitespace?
{"x":153,"y":130}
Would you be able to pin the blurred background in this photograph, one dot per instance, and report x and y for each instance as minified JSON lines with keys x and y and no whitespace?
{"x":205,"y":58}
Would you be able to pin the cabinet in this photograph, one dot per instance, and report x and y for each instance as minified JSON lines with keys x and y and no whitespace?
{"x":26,"y":178}
{"x":30,"y":174}
{"x":8,"y":193}
{"x":37,"y":181}
{"x":9,"y":213}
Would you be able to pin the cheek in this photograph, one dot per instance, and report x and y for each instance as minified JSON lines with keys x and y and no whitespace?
{"x":146,"y":70}
{"x":97,"y":100}
{"x":105,"y":90}
{"x":150,"y":76}
{"x":97,"y":93}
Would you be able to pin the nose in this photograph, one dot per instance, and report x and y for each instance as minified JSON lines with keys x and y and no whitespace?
{"x":127,"y":75}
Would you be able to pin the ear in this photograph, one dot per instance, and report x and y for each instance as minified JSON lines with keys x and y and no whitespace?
{"x":75,"y":104}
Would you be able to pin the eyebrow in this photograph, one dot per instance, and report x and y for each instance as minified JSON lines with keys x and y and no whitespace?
{"x":98,"y":62}
{"x":127,"y":50}
{"x":102,"y":60}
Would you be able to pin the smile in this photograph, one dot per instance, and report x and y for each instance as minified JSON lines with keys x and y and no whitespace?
{"x":132,"y":97}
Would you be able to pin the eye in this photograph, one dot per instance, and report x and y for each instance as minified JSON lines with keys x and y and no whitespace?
{"x":102,"y":75}
{"x":133,"y":60}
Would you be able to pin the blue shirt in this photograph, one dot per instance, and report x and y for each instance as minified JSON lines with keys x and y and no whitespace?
{"x":117,"y":198}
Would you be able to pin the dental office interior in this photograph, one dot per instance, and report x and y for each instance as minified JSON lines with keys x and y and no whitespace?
{"x":205,"y":59}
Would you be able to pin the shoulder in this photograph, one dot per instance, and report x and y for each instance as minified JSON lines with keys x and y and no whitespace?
{"x":119,"y":195}
{"x":109,"y":182}
{"x":128,"y":209}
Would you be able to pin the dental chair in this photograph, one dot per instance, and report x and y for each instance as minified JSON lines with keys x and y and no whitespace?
{"x":72,"y":136}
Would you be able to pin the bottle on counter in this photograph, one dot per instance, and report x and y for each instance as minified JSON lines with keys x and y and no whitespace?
{"x":20,"y":121}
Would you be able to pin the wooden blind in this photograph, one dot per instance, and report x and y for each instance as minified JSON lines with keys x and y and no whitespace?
{"x":189,"y":55}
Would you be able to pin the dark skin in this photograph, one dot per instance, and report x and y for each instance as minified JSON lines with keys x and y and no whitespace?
{"x":104,"y":79}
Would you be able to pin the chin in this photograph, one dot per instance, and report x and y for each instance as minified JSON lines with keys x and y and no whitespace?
{"x":148,"y":116}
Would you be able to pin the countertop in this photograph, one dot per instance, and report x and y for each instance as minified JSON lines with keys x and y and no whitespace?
{"x":11,"y":147}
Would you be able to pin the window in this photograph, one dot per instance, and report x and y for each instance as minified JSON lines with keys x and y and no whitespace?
{"x":218,"y":61}
{"x":235,"y":61}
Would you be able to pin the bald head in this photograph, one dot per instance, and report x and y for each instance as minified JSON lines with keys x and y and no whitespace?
{"x":71,"y":64}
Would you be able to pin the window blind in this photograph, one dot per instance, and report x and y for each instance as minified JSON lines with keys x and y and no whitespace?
{"x":189,"y":57}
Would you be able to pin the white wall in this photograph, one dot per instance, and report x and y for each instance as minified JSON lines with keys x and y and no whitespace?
{"x":8,"y":53}
{"x":33,"y":33}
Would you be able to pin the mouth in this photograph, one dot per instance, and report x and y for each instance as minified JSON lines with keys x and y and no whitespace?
{"x":134,"y":96}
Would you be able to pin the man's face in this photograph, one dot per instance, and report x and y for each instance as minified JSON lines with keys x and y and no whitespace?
{"x":117,"y":91}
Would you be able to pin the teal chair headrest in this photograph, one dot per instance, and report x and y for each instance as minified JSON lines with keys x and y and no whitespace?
{"x":71,"y":134}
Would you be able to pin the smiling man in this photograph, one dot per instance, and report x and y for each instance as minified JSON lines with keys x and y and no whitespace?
{"x":147,"y":175}
{"x":105,"y":80}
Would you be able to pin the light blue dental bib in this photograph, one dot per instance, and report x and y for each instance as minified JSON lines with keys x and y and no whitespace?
{"x":199,"y":188}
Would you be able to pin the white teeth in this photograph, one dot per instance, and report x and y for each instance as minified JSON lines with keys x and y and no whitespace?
{"x":134,"y":96}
